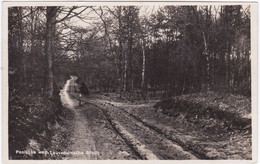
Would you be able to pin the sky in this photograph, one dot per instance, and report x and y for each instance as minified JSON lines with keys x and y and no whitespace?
{"x":92,"y":17}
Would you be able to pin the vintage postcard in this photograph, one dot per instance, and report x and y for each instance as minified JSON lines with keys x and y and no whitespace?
{"x":113,"y":82}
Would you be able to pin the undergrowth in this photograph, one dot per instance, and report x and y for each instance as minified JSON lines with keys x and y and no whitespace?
{"x":31,"y":119}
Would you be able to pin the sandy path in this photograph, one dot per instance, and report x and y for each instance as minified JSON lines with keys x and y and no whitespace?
{"x":83,"y":144}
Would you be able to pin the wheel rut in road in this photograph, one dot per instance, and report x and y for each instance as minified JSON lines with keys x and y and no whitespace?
{"x":155,"y":141}
{"x":179,"y":145}
{"x":109,"y":142}
{"x":136,"y":146}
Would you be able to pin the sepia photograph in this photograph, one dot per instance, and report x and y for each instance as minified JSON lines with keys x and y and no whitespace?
{"x":122,"y":81}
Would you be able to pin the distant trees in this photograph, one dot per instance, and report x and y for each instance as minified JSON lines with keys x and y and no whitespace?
{"x":199,"y":42}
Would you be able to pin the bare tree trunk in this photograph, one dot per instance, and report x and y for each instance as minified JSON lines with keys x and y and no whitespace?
{"x":143,"y":69}
{"x":50,"y":31}
{"x":207,"y":60}
{"x":205,"y":42}
{"x":125,"y":71}
{"x":120,"y":46}
{"x":130,"y":45}
{"x":20,"y":44}
{"x":32,"y":36}
{"x":228,"y":67}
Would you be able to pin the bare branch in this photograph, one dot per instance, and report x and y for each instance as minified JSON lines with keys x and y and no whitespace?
{"x":68,"y":16}
{"x":32,"y":11}
{"x":112,"y":12}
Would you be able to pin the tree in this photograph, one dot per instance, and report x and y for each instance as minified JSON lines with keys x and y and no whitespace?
{"x":51,"y":21}
{"x":131,"y":26}
{"x":117,"y":14}
{"x":144,"y":37}
{"x":51,"y":15}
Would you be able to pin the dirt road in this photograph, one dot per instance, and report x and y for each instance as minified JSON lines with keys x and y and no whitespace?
{"x":102,"y":131}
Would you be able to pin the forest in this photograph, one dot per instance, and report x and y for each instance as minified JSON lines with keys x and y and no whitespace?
{"x":179,"y":55}
{"x":171,"y":50}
